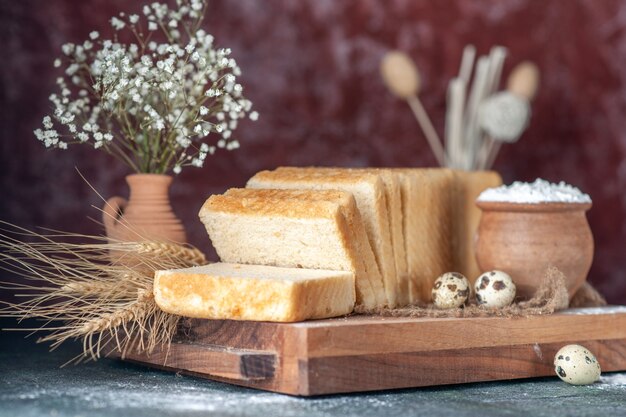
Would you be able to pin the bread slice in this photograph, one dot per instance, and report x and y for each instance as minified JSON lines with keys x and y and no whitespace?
{"x":253,"y":292}
{"x":369,"y":192}
{"x":393,"y":196}
{"x":466,"y":216}
{"x":288,"y":233}
{"x":427,"y":215}
{"x":359,"y":245}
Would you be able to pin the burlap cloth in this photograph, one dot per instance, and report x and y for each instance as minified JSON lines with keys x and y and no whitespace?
{"x":550,"y":297}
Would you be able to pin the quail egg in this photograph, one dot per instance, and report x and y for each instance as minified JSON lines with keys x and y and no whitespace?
{"x":576,"y":365}
{"x":451,"y":290}
{"x":494,"y":289}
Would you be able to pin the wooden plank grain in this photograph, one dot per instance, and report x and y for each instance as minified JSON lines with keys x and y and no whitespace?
{"x":402,"y":335}
{"x":343,"y":374}
{"x":372,"y":353}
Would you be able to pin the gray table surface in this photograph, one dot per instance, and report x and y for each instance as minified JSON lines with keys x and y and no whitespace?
{"x":32,"y":384}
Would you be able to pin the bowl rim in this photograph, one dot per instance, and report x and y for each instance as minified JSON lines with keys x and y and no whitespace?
{"x":532,"y":207}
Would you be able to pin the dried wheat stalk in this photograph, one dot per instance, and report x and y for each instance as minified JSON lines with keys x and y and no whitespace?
{"x":110,"y":306}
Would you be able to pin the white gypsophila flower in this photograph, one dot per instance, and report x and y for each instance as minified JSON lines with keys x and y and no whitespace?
{"x":71,"y":70}
{"x":57,"y":63}
{"x":38,"y":134}
{"x":184,"y":142}
{"x":254,"y":116}
{"x":67,"y":119}
{"x":177,"y":169}
{"x":169,"y":95}
{"x":47,"y":122}
{"x":117,"y":24}
{"x":68,"y":48}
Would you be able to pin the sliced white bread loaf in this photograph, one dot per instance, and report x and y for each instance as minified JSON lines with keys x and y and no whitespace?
{"x":369,"y":192}
{"x":365,"y":268}
{"x":427,"y":214}
{"x":299,"y":233}
{"x":393,"y":196}
{"x":466,"y":216}
{"x":252,"y":292}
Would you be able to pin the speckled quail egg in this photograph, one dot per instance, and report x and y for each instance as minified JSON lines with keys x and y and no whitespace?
{"x":494,"y":289}
{"x":576,"y":365}
{"x":451,"y":290}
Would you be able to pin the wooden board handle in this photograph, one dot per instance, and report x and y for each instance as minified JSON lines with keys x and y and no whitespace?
{"x":235,"y":364}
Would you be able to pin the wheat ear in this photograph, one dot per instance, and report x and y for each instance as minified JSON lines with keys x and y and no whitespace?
{"x":110,"y":307}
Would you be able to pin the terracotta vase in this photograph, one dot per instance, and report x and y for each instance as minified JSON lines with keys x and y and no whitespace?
{"x":525,"y":239}
{"x":146,"y":215}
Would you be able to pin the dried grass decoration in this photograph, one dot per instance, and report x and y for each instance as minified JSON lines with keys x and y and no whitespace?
{"x":82,"y":295}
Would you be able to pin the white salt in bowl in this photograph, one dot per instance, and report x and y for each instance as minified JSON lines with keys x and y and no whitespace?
{"x":527,"y":227}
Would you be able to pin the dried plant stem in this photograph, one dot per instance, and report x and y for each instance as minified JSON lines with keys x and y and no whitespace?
{"x":190,"y":255}
{"x":109,"y":306}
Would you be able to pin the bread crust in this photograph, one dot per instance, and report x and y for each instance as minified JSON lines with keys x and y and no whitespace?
{"x":376,"y":225}
{"x":253,"y":292}
{"x":353,"y":228}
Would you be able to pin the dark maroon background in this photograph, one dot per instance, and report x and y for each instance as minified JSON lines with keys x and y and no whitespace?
{"x":311,"y":69}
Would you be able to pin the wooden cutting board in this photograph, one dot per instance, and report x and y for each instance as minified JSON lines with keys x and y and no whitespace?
{"x":364,"y":353}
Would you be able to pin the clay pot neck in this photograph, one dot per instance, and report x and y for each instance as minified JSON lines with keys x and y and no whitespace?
{"x":146,"y":215}
{"x":148,"y":187}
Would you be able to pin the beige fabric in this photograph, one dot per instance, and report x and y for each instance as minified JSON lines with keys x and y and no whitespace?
{"x":550,"y":297}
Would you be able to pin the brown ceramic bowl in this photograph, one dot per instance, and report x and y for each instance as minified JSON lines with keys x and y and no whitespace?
{"x":525,"y":239}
